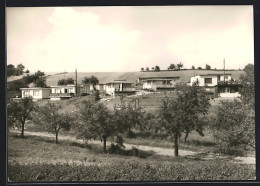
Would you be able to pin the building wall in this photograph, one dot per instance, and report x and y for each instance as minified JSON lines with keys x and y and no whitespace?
{"x":46,"y":93}
{"x":201,"y":80}
{"x":228,"y":78}
{"x":36,"y":94}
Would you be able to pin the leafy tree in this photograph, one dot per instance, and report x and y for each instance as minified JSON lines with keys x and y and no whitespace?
{"x":40,"y":82}
{"x":50,"y":118}
{"x":152,"y":68}
{"x":10,"y":70}
{"x":199,"y":68}
{"x":172,"y":67}
{"x":19,"y":111}
{"x":235,"y":125}
{"x":130,"y":116}
{"x":39,"y":74}
{"x":142,"y":69}
{"x":184,"y":114}
{"x":96,"y":122}
{"x":193,"y":67}
{"x":157,"y":68}
{"x":179,"y":66}
{"x":91,"y":80}
{"x":248,"y":83}
{"x":66,"y":81}
{"x":208,"y":67}
{"x":19,"y":69}
{"x":27,"y":71}
{"x":147,"y":68}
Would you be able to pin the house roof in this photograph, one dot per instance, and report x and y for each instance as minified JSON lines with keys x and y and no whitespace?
{"x":59,"y":86}
{"x":34,"y":88}
{"x":119,"y":81}
{"x":211,"y":74}
{"x":157,"y":79}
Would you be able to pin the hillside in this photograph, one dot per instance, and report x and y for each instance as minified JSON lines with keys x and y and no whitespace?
{"x":105,"y":77}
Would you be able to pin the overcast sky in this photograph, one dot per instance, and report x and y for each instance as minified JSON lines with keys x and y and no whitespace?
{"x":92,"y":39}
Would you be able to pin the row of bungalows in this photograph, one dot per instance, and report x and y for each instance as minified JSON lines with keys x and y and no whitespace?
{"x":68,"y":91}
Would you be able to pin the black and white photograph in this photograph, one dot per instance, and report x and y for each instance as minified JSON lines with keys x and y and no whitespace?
{"x":130,"y":93}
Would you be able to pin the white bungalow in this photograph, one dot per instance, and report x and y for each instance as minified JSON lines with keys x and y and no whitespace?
{"x":36,"y":93}
{"x":64,"y":91}
{"x":118,"y":86}
{"x":156,"y":84}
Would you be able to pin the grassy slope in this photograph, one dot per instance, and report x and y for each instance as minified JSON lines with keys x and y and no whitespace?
{"x":39,"y":159}
{"x":105,"y":77}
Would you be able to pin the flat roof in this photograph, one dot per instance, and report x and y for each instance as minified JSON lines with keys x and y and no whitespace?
{"x":115,"y":82}
{"x":157,"y":79}
{"x":211,"y":74}
{"x":35,"y":88}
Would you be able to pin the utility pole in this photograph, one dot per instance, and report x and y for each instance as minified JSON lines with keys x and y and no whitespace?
{"x":76,"y":93}
{"x":224,"y":70}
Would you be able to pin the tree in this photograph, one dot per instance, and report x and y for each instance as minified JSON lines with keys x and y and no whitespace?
{"x":10,"y":70}
{"x":66,"y":81}
{"x":19,"y":69}
{"x":27,"y":71}
{"x":91,"y":80}
{"x":179,"y":66}
{"x":199,"y":68}
{"x":184,"y":114}
{"x":172,"y":67}
{"x":152,"y":68}
{"x":208,"y":67}
{"x":20,"y":111}
{"x":193,"y":68}
{"x":50,"y":118}
{"x":248,"y":85}
{"x":157,"y":68}
{"x":39,"y":74}
{"x":95,"y":121}
{"x":147,"y":68}
{"x":130,"y":116}
{"x":235,"y":125}
{"x":142,"y":69}
{"x":40,"y":82}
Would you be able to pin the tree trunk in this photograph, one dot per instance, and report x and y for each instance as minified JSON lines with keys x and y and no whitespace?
{"x":176,"y":147}
{"x":105,"y":144}
{"x":22,"y":134}
{"x":186,"y":136}
{"x":57,"y":132}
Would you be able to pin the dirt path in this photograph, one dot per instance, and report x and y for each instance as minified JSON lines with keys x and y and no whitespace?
{"x":156,"y":150}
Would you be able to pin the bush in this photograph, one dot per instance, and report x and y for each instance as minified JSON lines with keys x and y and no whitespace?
{"x":130,"y":170}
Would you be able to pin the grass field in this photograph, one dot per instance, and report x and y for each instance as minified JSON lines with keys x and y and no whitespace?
{"x":37,"y":159}
{"x":105,"y":77}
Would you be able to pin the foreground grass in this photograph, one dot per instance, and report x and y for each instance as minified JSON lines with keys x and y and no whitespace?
{"x":35,"y":159}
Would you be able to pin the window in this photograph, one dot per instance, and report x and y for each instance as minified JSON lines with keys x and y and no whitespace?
{"x":208,"y":80}
{"x":36,"y":92}
{"x":226,"y":77}
{"x":26,"y":93}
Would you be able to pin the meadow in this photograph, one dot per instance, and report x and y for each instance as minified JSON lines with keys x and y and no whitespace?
{"x":37,"y":158}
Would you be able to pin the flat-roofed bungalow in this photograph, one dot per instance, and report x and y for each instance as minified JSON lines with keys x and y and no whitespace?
{"x":37,"y":93}
{"x":59,"y":92}
{"x":158,"y":84}
{"x":119,"y":86}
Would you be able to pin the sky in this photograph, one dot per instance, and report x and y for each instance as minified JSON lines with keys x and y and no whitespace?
{"x":121,"y":39}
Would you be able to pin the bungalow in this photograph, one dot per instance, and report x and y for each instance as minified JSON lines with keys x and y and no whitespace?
{"x":37,"y":93}
{"x":65,"y":91}
{"x":229,"y":89}
{"x":119,"y":86}
{"x":217,"y":84}
{"x":88,"y":88}
{"x":158,"y":84}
